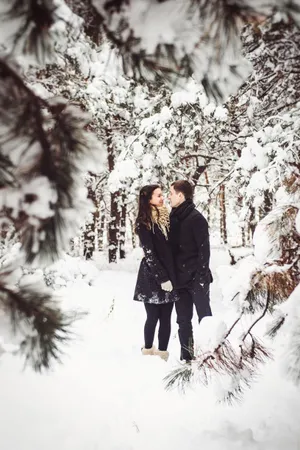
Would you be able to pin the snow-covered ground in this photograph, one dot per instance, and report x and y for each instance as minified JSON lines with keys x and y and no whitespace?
{"x":107,"y":396}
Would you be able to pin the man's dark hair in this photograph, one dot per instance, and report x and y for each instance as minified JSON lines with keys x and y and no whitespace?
{"x":185,"y":188}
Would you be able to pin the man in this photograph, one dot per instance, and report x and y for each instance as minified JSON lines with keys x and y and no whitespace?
{"x":189,"y":239}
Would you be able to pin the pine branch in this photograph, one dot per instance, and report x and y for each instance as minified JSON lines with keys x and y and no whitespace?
{"x":6,"y":172}
{"x":266,"y":309}
{"x":179,"y":378}
{"x":92,"y":20}
{"x":36,"y":316}
{"x":220,"y":24}
{"x":275,"y":327}
{"x":70,"y":146}
{"x":217,"y":27}
{"x":36,"y":18}
{"x":251,"y":356}
{"x":272,"y":288}
{"x":224,"y":360}
{"x":23,"y":115}
{"x":235,"y":395}
{"x":255,"y":300}
{"x":58,"y":133}
{"x":255,"y":352}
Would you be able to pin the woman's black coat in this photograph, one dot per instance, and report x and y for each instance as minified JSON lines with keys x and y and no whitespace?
{"x":156,"y":267}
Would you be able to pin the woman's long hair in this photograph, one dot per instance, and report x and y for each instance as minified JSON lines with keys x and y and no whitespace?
{"x":144,"y":212}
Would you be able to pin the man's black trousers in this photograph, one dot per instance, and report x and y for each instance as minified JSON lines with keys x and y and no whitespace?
{"x":198,"y":296}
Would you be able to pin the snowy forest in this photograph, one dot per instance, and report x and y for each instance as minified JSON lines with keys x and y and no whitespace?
{"x":97,"y":99}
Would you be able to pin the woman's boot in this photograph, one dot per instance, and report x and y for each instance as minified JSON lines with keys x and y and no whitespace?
{"x":163,"y":354}
{"x":148,"y":351}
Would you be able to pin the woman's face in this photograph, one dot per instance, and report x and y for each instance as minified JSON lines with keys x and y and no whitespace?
{"x":157,"y":198}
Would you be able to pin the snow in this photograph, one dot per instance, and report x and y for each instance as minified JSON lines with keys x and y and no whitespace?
{"x":235,"y":288}
{"x":44,"y":197}
{"x":264,"y":248}
{"x":209,"y":109}
{"x":221,"y":113}
{"x":138,"y":149}
{"x":268,"y":234}
{"x":123,"y":171}
{"x":211,"y":332}
{"x":164,"y":156}
{"x":246,"y":160}
{"x":290,"y":351}
{"x":182,"y":98}
{"x":253,"y":155}
{"x":298,"y":221}
{"x":147,"y":161}
{"x":165,"y":114}
{"x":106,"y":395}
{"x":156,"y":29}
{"x":257,"y":184}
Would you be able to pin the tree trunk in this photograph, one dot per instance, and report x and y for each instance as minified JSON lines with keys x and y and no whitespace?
{"x":251,"y":223}
{"x":122,"y":230}
{"x":100,"y":229}
{"x":208,"y":203}
{"x":89,"y":240}
{"x":223,"y":223}
{"x":89,"y":232}
{"x":243,"y":227}
{"x":244,"y":243}
{"x":114,"y":208}
{"x":96,"y":218}
{"x":113,"y":227}
{"x":133,"y":235}
{"x":197,"y":173}
{"x":266,"y":206}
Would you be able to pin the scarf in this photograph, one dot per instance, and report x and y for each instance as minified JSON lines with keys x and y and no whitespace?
{"x":183,"y":210}
{"x":161,"y":217}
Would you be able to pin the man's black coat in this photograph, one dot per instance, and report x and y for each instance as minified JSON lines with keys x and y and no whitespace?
{"x":189,"y":239}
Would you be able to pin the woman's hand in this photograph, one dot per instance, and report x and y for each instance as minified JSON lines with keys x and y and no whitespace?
{"x":167,"y":286}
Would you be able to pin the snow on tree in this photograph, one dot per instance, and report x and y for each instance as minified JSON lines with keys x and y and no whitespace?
{"x":45,"y":149}
{"x":47,"y":144}
{"x":264,"y":117}
{"x":181,"y":135}
{"x":174,"y":38}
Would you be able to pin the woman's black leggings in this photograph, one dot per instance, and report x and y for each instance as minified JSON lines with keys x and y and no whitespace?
{"x":155,"y":313}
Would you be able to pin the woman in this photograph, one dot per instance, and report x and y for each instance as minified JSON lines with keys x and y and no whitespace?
{"x":156,"y":278}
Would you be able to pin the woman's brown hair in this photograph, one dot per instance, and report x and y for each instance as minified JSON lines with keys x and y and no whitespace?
{"x":144,"y":211}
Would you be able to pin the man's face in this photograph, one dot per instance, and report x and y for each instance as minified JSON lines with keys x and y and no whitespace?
{"x":176,"y":198}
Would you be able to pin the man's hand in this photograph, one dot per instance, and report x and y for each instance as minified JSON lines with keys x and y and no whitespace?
{"x":167,"y":286}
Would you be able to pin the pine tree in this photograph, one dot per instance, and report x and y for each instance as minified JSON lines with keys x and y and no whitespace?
{"x":46,"y":144}
{"x":191,"y":37}
{"x":264,"y":117}
{"x":45,"y":148}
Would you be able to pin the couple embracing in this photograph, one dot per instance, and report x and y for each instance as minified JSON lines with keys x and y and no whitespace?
{"x":175,"y":267}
